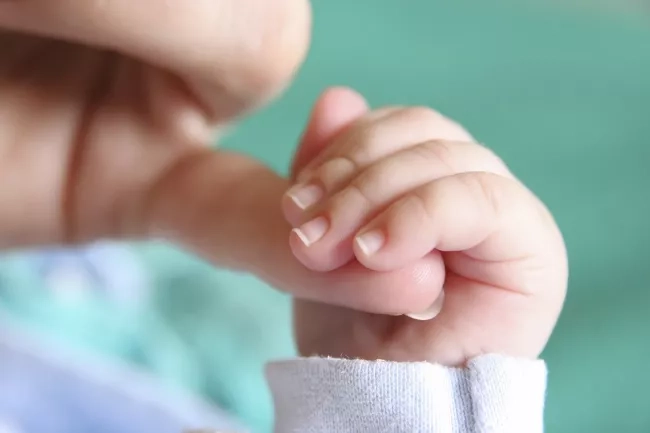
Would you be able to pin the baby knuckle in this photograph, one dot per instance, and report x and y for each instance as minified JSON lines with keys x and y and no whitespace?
{"x":380,"y":177}
{"x":368,"y":185}
{"x":359,"y":193}
{"x":348,"y":205}
{"x":438,"y":150}
{"x":335,"y":171}
{"x":423,"y":114}
{"x":418,"y":203}
{"x":435,"y":124}
{"x":486,"y":190}
{"x":492,"y":158}
{"x":365,"y":148}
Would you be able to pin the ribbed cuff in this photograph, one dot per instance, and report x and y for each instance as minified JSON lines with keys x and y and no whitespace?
{"x":495,"y":394}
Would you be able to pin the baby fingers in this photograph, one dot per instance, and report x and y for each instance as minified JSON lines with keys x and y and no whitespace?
{"x":483,"y":214}
{"x":375,"y":136}
{"x":323,"y":240}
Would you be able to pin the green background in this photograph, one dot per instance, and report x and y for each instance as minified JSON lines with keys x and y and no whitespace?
{"x":561,"y":92}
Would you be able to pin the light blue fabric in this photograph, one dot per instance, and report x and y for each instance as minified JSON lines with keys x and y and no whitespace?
{"x":152,"y":307}
{"x":46,"y":390}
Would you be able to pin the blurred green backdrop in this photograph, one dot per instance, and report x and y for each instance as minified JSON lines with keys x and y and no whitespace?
{"x":561,"y":92}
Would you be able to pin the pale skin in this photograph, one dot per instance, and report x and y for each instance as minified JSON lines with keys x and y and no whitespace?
{"x":106,"y":106}
{"x":400,"y":184}
{"x":106,"y":110}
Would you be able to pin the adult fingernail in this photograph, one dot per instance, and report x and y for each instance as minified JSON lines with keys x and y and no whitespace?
{"x":370,"y":242}
{"x":305,"y":196}
{"x":312,"y":231}
{"x":432,"y":311}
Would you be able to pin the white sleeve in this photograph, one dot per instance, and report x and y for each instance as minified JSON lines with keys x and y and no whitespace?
{"x":494,"y":394}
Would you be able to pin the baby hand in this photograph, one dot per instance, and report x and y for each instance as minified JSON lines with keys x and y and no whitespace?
{"x":400,"y":183}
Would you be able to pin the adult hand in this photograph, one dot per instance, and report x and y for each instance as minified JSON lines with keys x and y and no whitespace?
{"x":104,"y":104}
{"x":106,"y":108}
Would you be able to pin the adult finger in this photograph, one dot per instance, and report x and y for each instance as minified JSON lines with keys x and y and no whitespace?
{"x":219,"y":217}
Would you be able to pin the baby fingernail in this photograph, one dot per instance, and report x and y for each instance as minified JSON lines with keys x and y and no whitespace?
{"x":312,"y":231}
{"x":432,"y":311}
{"x":305,"y":196}
{"x":370,"y":242}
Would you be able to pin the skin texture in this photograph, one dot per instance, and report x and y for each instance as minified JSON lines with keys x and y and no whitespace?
{"x":106,"y":110}
{"x":426,"y":189}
